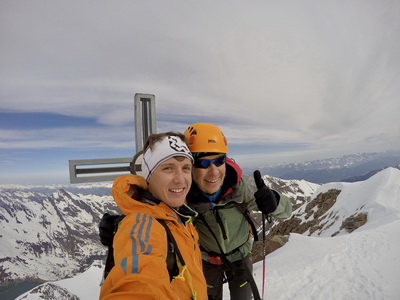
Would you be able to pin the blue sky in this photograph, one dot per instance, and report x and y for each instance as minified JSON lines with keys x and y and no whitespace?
{"x":286,"y":82}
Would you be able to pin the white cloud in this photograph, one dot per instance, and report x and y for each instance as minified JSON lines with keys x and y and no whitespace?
{"x":322,"y":74}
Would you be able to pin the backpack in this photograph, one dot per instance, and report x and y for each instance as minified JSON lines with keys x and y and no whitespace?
{"x":112,"y":224}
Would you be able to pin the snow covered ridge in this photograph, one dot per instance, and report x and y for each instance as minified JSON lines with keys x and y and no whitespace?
{"x":340,"y":208}
{"x":358,"y":264}
{"x":96,"y":188}
{"x":83,"y":286}
{"x":48,"y":236}
{"x":297,"y":190}
{"x":378,"y":198}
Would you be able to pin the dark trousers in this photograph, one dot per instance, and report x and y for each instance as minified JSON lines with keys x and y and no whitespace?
{"x":239,"y":286}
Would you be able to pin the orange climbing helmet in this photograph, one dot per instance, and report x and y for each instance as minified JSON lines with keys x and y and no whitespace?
{"x":205,"y":137}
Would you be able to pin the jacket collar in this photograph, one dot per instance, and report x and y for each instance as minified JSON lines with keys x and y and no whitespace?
{"x":184,"y":212}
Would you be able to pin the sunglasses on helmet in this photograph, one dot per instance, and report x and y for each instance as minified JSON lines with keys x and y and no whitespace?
{"x":203,"y":163}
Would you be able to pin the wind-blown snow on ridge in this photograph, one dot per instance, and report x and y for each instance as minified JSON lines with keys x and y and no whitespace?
{"x":379,"y":197}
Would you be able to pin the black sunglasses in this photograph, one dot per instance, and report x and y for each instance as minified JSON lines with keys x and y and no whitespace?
{"x":205,"y":163}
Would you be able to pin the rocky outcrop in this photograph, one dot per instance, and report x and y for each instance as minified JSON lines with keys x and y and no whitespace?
{"x":311,"y":218}
{"x":355,"y":221}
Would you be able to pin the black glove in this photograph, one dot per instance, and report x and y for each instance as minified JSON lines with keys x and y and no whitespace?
{"x":107,"y":228}
{"x":267,"y":200}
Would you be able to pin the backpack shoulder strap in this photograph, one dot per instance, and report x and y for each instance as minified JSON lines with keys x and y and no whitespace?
{"x":243,"y":209}
{"x":173,"y":252}
{"x":110,"y":253}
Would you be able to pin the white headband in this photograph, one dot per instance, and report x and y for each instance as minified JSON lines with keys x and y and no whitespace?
{"x":168,"y":147}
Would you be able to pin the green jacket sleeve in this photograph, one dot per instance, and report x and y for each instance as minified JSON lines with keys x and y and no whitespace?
{"x":284,"y":209}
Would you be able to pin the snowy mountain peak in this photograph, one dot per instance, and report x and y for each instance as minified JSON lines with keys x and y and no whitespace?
{"x":48,"y":236}
{"x":340,"y":208}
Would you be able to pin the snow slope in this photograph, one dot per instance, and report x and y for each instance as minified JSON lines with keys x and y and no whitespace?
{"x":362,"y":265}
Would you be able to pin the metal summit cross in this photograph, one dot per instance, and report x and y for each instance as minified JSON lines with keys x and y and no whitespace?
{"x":107,"y":169}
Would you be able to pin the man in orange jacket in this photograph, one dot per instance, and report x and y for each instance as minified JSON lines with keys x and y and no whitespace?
{"x":141,"y":242}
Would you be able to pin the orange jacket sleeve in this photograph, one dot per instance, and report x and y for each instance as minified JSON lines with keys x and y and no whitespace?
{"x":140,"y":271}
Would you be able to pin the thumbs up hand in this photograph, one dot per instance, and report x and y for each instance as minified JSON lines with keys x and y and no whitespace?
{"x":267,"y":201}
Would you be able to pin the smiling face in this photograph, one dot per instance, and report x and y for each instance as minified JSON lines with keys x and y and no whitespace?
{"x":209,"y":180}
{"x":171,"y":180}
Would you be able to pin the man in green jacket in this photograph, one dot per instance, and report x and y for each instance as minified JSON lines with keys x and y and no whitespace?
{"x":222,"y":196}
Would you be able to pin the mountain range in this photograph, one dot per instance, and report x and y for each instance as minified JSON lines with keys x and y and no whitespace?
{"x":340,"y":243}
{"x":348,"y":168}
{"x":48,"y":236}
{"x":49,"y":233}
